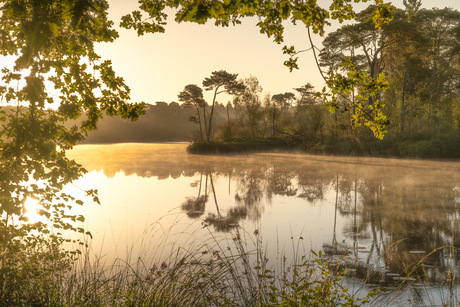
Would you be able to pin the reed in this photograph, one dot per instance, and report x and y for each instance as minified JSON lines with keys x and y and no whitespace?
{"x":206,"y":270}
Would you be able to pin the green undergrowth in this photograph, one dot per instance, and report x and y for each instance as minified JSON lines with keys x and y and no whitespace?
{"x":414,"y":146}
{"x":446,"y":146}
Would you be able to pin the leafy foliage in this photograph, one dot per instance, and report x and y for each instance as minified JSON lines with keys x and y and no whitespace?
{"x":249,"y":109}
{"x":317,"y":285}
{"x":52,"y":43}
{"x":371,"y":114}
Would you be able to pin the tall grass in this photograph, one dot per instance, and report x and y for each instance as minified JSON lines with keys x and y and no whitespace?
{"x":205,"y":270}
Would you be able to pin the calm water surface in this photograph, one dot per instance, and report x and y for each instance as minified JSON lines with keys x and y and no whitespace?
{"x":387,"y":213}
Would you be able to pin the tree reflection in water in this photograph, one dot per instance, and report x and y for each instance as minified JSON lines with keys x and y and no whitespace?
{"x":390,"y":228}
{"x":195,"y":206}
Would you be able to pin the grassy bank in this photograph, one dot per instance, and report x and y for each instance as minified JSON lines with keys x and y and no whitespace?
{"x":239,"y":146}
{"x":206,"y":277}
{"x":401,"y":146}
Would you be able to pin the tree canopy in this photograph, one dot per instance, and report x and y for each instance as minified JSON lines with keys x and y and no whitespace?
{"x":192,"y":96}
{"x":52,"y":43}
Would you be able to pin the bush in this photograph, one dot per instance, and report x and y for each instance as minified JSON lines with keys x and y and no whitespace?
{"x":31,"y":265}
{"x":316,"y":285}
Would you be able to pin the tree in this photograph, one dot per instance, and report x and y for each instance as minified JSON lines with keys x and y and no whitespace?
{"x":309,"y":118}
{"x":51,"y":41}
{"x":307,"y":97}
{"x":249,"y":106}
{"x":421,"y":67}
{"x":442,"y":28}
{"x":412,"y":7}
{"x":358,"y":50}
{"x":271,"y":15}
{"x":306,"y":94}
{"x":192,"y":96}
{"x":283,"y":102}
{"x":404,"y":66}
{"x":221,"y":82}
{"x":361,"y":49}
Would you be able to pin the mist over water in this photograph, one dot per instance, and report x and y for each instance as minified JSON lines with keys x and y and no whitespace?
{"x":388,"y":213}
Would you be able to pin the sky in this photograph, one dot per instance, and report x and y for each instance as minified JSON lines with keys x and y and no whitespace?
{"x":158,"y":66}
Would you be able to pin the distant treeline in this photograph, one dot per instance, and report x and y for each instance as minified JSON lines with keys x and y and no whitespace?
{"x":162,"y":122}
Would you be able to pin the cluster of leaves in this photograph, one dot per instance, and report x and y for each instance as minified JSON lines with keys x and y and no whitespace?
{"x":54,"y":42}
{"x":51,"y":43}
{"x":366,"y":108}
{"x":271,"y":14}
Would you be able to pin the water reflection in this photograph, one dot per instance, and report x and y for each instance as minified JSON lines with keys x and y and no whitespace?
{"x":195,"y":206}
{"x":393,"y":215}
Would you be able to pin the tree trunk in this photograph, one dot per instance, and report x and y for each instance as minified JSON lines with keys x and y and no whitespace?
{"x":403,"y":106}
{"x":208,"y":134}
{"x":199,"y":122}
{"x":214,"y":193}
{"x":205,"y":122}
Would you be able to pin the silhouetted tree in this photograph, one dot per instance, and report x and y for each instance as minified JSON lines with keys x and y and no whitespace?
{"x":281,"y":102}
{"x":221,"y":82}
{"x":192,"y":96}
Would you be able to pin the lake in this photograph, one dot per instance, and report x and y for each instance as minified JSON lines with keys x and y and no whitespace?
{"x":384,"y":213}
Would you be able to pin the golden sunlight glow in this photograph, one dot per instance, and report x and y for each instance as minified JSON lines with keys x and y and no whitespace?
{"x":8,"y":62}
{"x":31,"y":207}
